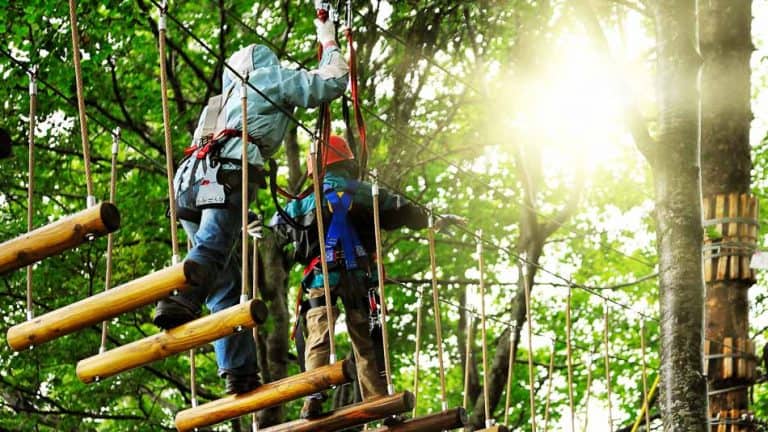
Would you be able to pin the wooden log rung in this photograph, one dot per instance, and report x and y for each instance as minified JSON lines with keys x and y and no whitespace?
{"x":101,"y":307}
{"x":193,"y":334}
{"x":445,"y":420}
{"x":351,"y":415}
{"x":266,"y":396}
{"x":730,"y":236}
{"x":64,"y":234}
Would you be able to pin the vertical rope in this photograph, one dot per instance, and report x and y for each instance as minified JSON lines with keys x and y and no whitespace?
{"x":645,"y":374}
{"x":486,"y":394}
{"x":110,"y":237}
{"x":161,"y":25}
{"x":468,"y":353}
{"x":527,"y":290}
{"x":436,"y":305}
{"x":380,"y":273}
{"x":569,"y":356}
{"x":31,"y":181}
{"x":192,"y":377}
{"x":244,"y":190}
{"x":510,"y":374}
{"x":91,"y":199}
{"x":646,"y":402}
{"x":549,"y":387}
{"x":607,"y":364}
{"x":419,"y":303}
{"x":316,"y":180}
{"x":588,"y":389}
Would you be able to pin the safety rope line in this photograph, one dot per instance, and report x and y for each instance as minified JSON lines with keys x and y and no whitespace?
{"x":110,"y":236}
{"x":607,"y":364}
{"x":529,"y":313}
{"x":380,"y":273}
{"x":31,"y":181}
{"x":569,"y":356}
{"x":192,"y":360}
{"x":436,"y":308}
{"x":91,"y":198}
{"x":486,"y":393}
{"x":321,"y":242}
{"x":411,"y":139}
{"x":162,"y":29}
{"x":549,"y":388}
{"x":644,"y":373}
{"x":646,"y":407}
{"x":510,"y":374}
{"x":419,"y":304}
{"x":588,"y":390}
{"x":467,"y":356}
{"x":244,"y":191}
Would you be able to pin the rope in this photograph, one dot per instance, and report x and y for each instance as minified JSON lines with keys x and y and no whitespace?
{"x":380,"y":269}
{"x":31,"y":182}
{"x":588,"y":390}
{"x":528,"y":314}
{"x":510,"y":374}
{"x":645,"y":409}
{"x":244,"y":191}
{"x":486,"y":395}
{"x":163,"y":8}
{"x":607,"y":366}
{"x":321,"y":241}
{"x":436,"y":305}
{"x":192,"y":377}
{"x":645,"y":374}
{"x":110,"y":237}
{"x":91,"y":199}
{"x":419,"y":303}
{"x":569,"y":356}
{"x":467,"y":354}
{"x":549,"y":390}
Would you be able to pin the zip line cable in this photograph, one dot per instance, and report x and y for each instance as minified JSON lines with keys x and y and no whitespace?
{"x":110,"y":236}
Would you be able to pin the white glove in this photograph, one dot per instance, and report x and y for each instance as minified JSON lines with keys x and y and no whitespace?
{"x":447,"y":220}
{"x":255,"y":227}
{"x":326,"y":31}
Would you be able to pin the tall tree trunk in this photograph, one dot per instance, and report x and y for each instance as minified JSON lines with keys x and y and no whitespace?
{"x":724,"y":31}
{"x":678,"y":219}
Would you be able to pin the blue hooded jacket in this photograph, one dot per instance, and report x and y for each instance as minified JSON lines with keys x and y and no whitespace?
{"x":286,"y":87}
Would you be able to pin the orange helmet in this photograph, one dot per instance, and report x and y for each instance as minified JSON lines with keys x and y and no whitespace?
{"x":336,"y":151}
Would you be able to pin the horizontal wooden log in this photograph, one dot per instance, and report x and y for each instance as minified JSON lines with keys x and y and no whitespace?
{"x":101,"y":307}
{"x":59,"y":236}
{"x":446,"y":420}
{"x":351,"y":415}
{"x":182,"y":338}
{"x":266,"y":396}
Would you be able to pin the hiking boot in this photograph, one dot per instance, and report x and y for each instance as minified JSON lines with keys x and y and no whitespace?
{"x":171,"y":313}
{"x":394,"y":420}
{"x":237,"y":384}
{"x":313,"y":408}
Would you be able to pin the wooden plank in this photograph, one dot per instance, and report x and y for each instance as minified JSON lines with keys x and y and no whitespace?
{"x":59,"y":236}
{"x":739,"y":350}
{"x":180,"y":339}
{"x":266,"y":396}
{"x":98,"y":308}
{"x":733,"y":234}
{"x":706,"y":215}
{"x":351,"y":415}
{"x":727,"y":359}
{"x":721,"y":421}
{"x":722,"y":262}
{"x":706,"y":359}
{"x":446,"y":420}
{"x":744,"y":229}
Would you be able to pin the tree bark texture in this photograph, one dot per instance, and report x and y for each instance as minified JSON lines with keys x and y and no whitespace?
{"x":678,"y":218}
{"x":726,"y":47}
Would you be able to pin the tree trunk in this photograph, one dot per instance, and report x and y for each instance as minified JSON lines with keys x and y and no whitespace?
{"x":678,"y":218}
{"x":724,"y":32}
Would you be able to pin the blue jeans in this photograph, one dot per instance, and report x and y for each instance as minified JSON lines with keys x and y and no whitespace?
{"x":215,"y":245}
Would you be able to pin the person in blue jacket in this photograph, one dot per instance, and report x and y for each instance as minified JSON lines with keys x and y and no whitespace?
{"x":208,"y":185}
{"x":350,"y":253}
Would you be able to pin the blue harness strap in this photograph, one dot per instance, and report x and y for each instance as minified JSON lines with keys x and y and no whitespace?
{"x":340,"y":230}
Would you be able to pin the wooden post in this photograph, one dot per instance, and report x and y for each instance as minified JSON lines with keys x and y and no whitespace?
{"x":266,"y":396}
{"x":445,"y":420}
{"x":351,"y":415}
{"x":100,"y":307}
{"x":193,"y":334}
{"x":59,"y":236}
